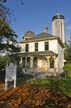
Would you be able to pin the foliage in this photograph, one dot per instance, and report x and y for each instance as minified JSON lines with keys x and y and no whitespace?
{"x":7,"y":34}
{"x":65,"y":86}
{"x":4,"y":12}
{"x":67,"y":69}
{"x":3,"y":61}
{"x":68,"y":53}
{"x":8,"y":38}
{"x":3,"y":1}
{"x":57,"y":85}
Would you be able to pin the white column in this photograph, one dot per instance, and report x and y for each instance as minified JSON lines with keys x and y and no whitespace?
{"x":31,"y":63}
{"x":14,"y":83}
{"x":15,"y":76}
{"x":48,"y":64}
{"x":26,"y":62}
{"x":20,"y":60}
{"x":6,"y":85}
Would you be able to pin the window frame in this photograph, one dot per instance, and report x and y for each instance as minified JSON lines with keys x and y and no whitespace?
{"x":46,"y":46}
{"x":51,"y":59}
{"x":36,"y":46}
{"x":26,"y":47}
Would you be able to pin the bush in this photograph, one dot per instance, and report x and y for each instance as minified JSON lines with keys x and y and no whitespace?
{"x":67,"y":69}
{"x":3,"y":61}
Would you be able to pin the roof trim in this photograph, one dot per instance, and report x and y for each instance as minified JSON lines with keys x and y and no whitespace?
{"x":38,"y":53}
{"x":57,"y":17}
{"x":25,"y":41}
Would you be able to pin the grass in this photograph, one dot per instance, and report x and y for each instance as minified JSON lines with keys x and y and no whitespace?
{"x":67,"y":69}
{"x":54,"y":84}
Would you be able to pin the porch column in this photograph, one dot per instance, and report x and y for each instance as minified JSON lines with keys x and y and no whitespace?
{"x":20,"y":60}
{"x":55,"y":65}
{"x":55,"y":68}
{"x":31,"y":63}
{"x":48,"y":64}
{"x":25,"y":62}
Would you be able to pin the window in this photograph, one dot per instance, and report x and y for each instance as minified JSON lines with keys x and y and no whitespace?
{"x":35,"y":62}
{"x":23,"y":62}
{"x":36,"y":46}
{"x":28,"y":62}
{"x":26,"y":47}
{"x":46,"y":46}
{"x":51,"y":62}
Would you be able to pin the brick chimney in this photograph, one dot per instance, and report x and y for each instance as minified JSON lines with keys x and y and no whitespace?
{"x":46,"y":29}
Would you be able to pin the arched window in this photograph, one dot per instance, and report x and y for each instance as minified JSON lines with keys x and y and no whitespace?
{"x":51,"y":59}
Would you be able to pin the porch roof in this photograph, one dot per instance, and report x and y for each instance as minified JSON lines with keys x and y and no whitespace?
{"x":41,"y":53}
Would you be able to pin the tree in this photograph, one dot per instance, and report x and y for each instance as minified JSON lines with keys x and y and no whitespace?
{"x":68,"y":51}
{"x":8,"y":38}
{"x":4,"y":12}
{"x":7,"y":34}
{"x":3,"y":1}
{"x":67,"y":67}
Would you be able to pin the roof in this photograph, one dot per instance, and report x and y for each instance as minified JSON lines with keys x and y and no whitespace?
{"x":29,"y":33}
{"x":41,"y":36}
{"x":57,"y":17}
{"x":41,"y":53}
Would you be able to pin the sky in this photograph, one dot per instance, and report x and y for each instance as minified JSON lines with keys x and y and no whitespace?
{"x":35,"y":15}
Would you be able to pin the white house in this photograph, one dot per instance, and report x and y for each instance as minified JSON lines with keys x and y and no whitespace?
{"x":42,"y":53}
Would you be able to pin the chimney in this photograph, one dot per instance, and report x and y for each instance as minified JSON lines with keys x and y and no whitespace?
{"x":46,"y":29}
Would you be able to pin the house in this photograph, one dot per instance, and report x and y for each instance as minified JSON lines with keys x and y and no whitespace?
{"x":42,"y":53}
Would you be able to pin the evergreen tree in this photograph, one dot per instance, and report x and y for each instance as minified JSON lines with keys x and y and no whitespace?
{"x":7,"y":35}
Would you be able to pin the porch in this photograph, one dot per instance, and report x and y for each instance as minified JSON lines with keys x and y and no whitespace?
{"x":37,"y":62}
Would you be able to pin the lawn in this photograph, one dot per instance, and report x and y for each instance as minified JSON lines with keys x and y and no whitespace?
{"x":63,"y":85}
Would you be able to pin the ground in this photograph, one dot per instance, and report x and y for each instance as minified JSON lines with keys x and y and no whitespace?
{"x":33,"y":96}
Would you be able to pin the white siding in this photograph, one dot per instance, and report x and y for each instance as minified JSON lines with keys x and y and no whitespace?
{"x":31,"y":47}
{"x":41,"y":46}
{"x":60,"y":58}
{"x":22,"y":47}
{"x":53,"y":45}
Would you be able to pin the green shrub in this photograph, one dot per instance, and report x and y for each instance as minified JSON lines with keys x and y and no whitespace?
{"x":67,"y":69}
{"x":3,"y":61}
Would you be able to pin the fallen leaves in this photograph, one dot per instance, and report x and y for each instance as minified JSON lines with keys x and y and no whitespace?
{"x":29,"y":96}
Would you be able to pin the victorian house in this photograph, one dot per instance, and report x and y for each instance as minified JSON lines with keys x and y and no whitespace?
{"x":42,"y":53}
